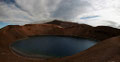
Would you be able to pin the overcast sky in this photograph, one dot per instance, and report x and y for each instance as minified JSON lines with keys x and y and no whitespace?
{"x":92,"y":12}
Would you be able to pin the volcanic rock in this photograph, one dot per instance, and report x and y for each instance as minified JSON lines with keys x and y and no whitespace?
{"x":105,"y":51}
{"x":99,"y":32}
{"x":63,"y":23}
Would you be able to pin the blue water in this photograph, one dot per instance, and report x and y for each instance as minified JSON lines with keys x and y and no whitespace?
{"x":51,"y":46}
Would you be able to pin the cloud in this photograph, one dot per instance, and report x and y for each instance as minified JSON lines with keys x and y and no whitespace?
{"x":68,"y":9}
{"x":29,"y":11}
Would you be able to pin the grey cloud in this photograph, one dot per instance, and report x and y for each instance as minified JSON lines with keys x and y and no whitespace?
{"x":68,"y":9}
{"x":28,"y":11}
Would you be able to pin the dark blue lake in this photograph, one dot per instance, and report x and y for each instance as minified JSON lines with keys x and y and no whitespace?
{"x":51,"y":46}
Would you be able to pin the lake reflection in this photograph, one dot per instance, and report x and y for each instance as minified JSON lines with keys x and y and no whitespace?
{"x":51,"y":46}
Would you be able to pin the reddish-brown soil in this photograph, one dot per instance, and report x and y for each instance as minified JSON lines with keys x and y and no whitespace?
{"x":105,"y":51}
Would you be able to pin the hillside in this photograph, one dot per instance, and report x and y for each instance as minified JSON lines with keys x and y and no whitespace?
{"x":105,"y":51}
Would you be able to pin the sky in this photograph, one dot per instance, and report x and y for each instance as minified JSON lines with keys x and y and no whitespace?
{"x":91,"y":12}
{"x":3,"y":24}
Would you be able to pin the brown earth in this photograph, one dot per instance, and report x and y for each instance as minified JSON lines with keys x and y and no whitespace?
{"x":105,"y":51}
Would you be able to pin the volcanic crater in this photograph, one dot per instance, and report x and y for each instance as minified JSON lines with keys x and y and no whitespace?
{"x":106,"y":50}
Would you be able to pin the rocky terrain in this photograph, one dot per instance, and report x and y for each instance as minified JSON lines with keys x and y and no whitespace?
{"x":107,"y":49}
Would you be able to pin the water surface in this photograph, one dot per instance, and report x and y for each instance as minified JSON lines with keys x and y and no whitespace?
{"x":51,"y":46}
